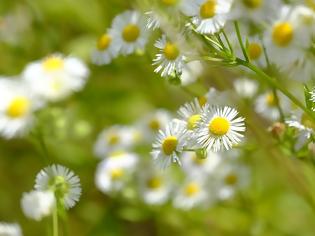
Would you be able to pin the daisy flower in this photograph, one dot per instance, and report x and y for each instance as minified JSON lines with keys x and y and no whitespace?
{"x":112,"y":139}
{"x":245,"y":88}
{"x":214,"y":97}
{"x":170,"y":59}
{"x":62,"y":181}
{"x":191,"y":194}
{"x":169,"y":144}
{"x":255,"y":51}
{"x":17,"y":105}
{"x":114,"y":172}
{"x":219,"y":128}
{"x":7,"y":229}
{"x":190,"y":113}
{"x":208,"y":16}
{"x":129,"y":32}
{"x":56,"y":77}
{"x":104,"y":52}
{"x":37,"y":204}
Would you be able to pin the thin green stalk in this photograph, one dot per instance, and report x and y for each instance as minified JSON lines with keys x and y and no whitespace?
{"x":274,"y":83}
{"x":55,"y":222}
{"x":239,"y":37}
{"x":228,"y":42}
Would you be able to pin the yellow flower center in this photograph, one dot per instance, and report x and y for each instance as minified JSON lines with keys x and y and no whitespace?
{"x":231,"y":179}
{"x":202,"y":100}
{"x":271,"y":100}
{"x":116,"y":173}
{"x":171,"y":51}
{"x":198,"y":161}
{"x":219,"y":126}
{"x":169,"y":145}
{"x":169,"y":2}
{"x":104,"y":41}
{"x":192,"y":189}
{"x":113,"y":139}
{"x":282,"y":34}
{"x":131,"y":33}
{"x":311,"y":3}
{"x":254,"y":51}
{"x":253,"y":3}
{"x":208,"y":9}
{"x":53,"y":63}
{"x":154,"y":183}
{"x":192,"y":121}
{"x":154,"y":125}
{"x":18,"y":107}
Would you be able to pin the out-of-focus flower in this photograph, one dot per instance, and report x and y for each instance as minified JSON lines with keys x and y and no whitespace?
{"x":17,"y":105}
{"x":115,"y":171}
{"x":129,"y":32}
{"x":62,"y":181}
{"x":170,"y":142}
{"x":246,"y":88}
{"x":7,"y":229}
{"x":219,"y":128}
{"x":56,"y":77}
{"x":38,"y":204}
{"x":190,"y":73}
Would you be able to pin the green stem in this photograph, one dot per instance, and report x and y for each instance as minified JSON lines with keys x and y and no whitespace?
{"x":239,"y":37}
{"x":228,"y":42}
{"x":274,"y":83}
{"x":55,"y":221}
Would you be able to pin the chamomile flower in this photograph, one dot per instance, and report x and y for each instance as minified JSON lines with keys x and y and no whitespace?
{"x":112,"y":139}
{"x":245,"y":88}
{"x":219,"y":128}
{"x":257,"y":11}
{"x":38,"y":204}
{"x":62,"y":181}
{"x":191,"y":194}
{"x":208,"y":16}
{"x":7,"y":229}
{"x":304,"y":126}
{"x":17,"y":105}
{"x":255,"y":50}
{"x":215,"y":97}
{"x":129,"y":32}
{"x":169,"y":144}
{"x":190,"y":113}
{"x":104,"y":52}
{"x":56,"y":77}
{"x":170,"y":59}
{"x":191,"y":71}
{"x":114,"y":172}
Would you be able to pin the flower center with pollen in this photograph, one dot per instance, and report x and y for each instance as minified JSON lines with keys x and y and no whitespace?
{"x":53,"y":63}
{"x":282,"y":34}
{"x":113,"y":139}
{"x":192,"y":121}
{"x":208,"y":9}
{"x":154,"y":183}
{"x":231,"y":179}
{"x":271,"y":100}
{"x":192,"y":189}
{"x":252,"y":3}
{"x":116,"y":173}
{"x":219,"y":126}
{"x":104,"y":41}
{"x":18,"y":107}
{"x":169,"y":145}
{"x":171,"y":51}
{"x":254,"y":51}
{"x":169,"y":2}
{"x":131,"y":33}
{"x":154,"y":125}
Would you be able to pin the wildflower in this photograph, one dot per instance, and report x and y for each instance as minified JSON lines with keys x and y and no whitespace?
{"x":219,"y":128}
{"x":245,"y":87}
{"x":62,"y":181}
{"x":7,"y":229}
{"x":38,"y":204}
{"x":170,"y":142}
{"x":129,"y":32}
{"x":190,"y":73}
{"x":56,"y":77}
{"x":190,"y":113}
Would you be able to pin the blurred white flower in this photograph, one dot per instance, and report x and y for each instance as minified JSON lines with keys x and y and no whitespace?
{"x":246,"y":88}
{"x":62,"y":181}
{"x":38,"y":204}
{"x":129,"y":32}
{"x":7,"y":229}
{"x":56,"y":77}
{"x":191,"y":71}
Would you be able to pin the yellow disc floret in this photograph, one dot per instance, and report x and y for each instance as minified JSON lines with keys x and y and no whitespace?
{"x":254,"y":51}
{"x":253,"y":3}
{"x":192,"y":121}
{"x":282,"y":34}
{"x":271,"y":100}
{"x":208,"y":9}
{"x":192,"y":189}
{"x":131,"y":33}
{"x":154,"y":125}
{"x":113,"y":139}
{"x":154,"y":183}
{"x":18,"y":107}
{"x":104,"y":41}
{"x":171,"y":51}
{"x":202,"y":100}
{"x":53,"y":63}
{"x":231,"y":179}
{"x":169,"y":145}
{"x":116,"y":173}
{"x":219,"y":126}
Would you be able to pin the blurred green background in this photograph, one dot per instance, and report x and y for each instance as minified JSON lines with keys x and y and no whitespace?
{"x":120,"y":94}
